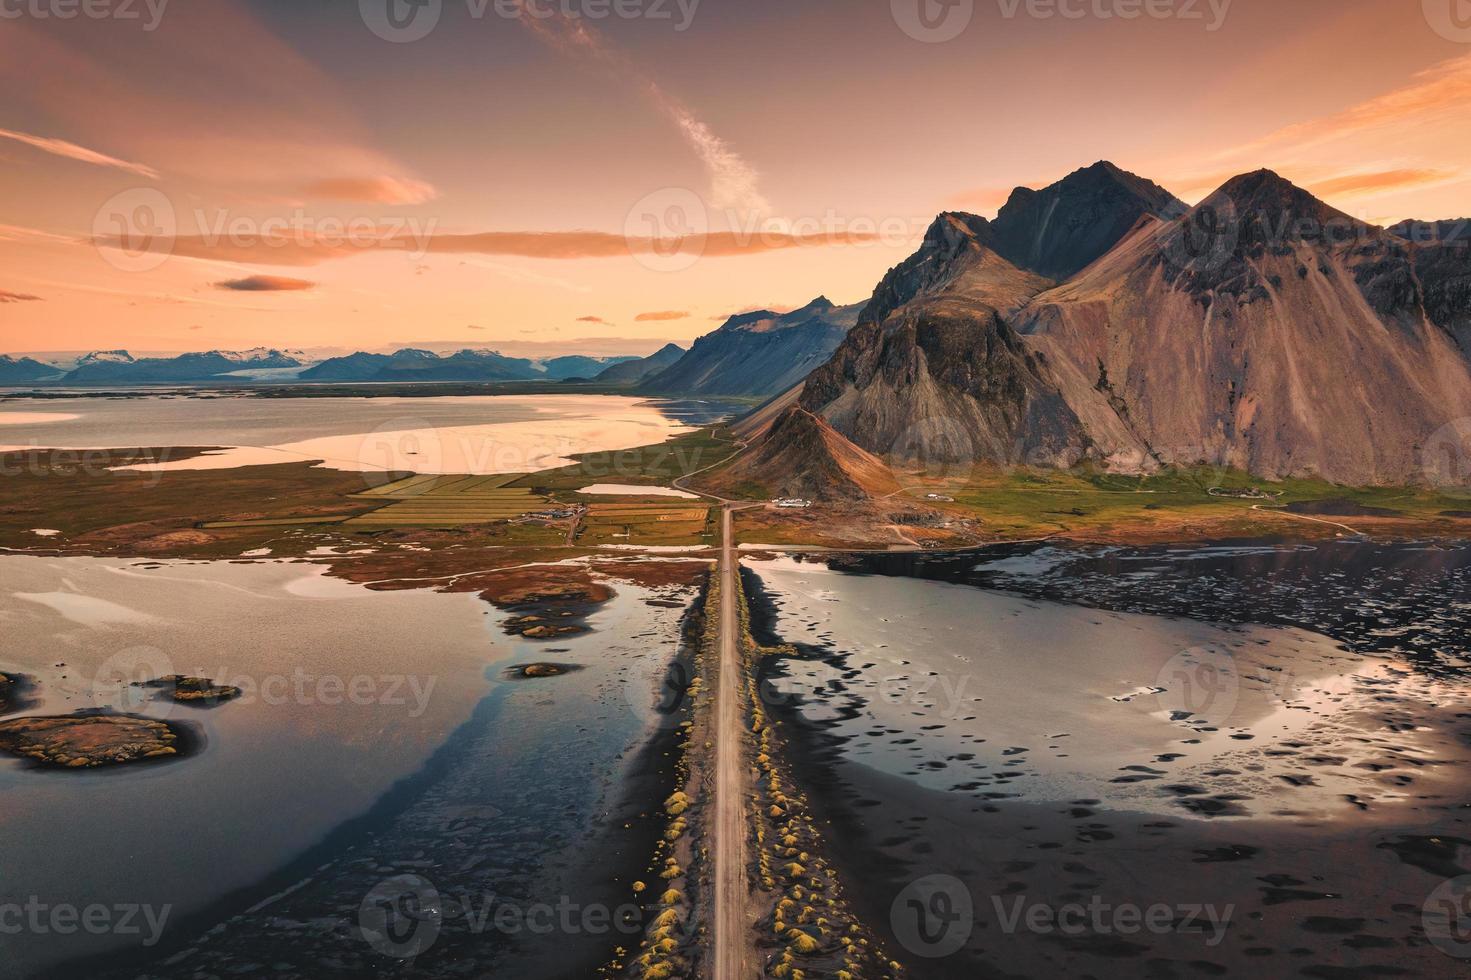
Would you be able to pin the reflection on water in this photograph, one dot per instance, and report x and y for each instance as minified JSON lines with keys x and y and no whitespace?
{"x":453,"y":434}
{"x":998,"y":696}
{"x":353,"y":708}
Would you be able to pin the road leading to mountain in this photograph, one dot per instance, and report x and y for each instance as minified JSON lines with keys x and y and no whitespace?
{"x":731,"y":927}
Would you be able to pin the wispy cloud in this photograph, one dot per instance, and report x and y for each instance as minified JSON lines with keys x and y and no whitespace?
{"x":592,"y":319}
{"x":374,"y":190}
{"x":72,"y":151}
{"x":12,"y":233}
{"x":661,"y":315}
{"x":1441,"y":92}
{"x":733,"y":181}
{"x":301,"y":250}
{"x":1381,"y":181}
{"x":8,"y":297}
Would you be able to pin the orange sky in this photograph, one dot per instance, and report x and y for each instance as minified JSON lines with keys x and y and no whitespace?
{"x":285,"y":177}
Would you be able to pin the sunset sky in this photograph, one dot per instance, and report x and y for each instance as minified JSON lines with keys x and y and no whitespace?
{"x":503,"y":176}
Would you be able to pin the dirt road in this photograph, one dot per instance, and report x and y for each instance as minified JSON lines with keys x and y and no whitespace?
{"x":731,"y":928}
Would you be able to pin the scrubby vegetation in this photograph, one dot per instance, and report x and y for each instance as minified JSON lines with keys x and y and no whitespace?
{"x":675,"y":889}
{"x":809,"y":929}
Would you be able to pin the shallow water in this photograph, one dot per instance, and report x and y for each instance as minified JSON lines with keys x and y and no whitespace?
{"x":969,"y":691}
{"x":452,"y":434}
{"x":1290,"y":802}
{"x":352,"y":709}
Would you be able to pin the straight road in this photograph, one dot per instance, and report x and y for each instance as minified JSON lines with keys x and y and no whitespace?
{"x":730,"y":777}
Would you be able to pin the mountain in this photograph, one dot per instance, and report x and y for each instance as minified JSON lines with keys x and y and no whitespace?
{"x":631,"y":372}
{"x":581,"y":366}
{"x":802,"y":455}
{"x":21,"y":370}
{"x":1441,"y":264}
{"x":1261,"y":329}
{"x":1061,"y":230}
{"x":120,"y":367}
{"x":410,"y":364}
{"x":757,"y":354}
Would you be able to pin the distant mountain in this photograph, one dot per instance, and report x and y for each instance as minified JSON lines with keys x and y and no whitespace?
{"x":21,"y":370}
{"x":411,"y":364}
{"x":120,"y":367}
{"x":580,"y":366}
{"x":758,"y":354}
{"x":1261,"y":330}
{"x":632,"y":371}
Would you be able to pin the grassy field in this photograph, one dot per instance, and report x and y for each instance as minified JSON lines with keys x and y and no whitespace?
{"x":669,"y":523}
{"x":449,"y":501}
{"x":645,"y":466}
{"x":1039,"y":502}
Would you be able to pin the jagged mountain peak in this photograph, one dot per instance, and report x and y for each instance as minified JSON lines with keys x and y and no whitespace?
{"x":1063,"y":228}
{"x":817,"y":307}
{"x":1267,"y":201}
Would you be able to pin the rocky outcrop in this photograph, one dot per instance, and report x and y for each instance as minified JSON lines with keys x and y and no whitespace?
{"x":1442,"y":251}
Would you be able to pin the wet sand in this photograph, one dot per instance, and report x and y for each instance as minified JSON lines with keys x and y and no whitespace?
{"x":978,"y":740}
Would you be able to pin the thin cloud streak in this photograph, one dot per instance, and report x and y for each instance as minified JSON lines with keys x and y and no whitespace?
{"x":72,"y":151}
{"x":374,"y":190}
{"x":733,"y":181}
{"x":557,"y":245}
